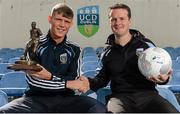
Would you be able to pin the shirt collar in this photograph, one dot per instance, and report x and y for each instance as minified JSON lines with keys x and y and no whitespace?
{"x":53,"y":42}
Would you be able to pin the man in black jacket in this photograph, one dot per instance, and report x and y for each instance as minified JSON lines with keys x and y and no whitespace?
{"x":131,"y":91}
{"x":52,"y":88}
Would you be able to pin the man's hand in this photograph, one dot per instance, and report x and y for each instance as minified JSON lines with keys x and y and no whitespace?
{"x":160,"y":78}
{"x":85,"y":83}
{"x":81,"y":84}
{"x":43,"y":74}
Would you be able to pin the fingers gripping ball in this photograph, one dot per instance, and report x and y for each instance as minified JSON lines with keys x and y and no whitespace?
{"x":154,"y":61}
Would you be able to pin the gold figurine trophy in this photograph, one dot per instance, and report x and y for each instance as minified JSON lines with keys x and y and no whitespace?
{"x":27,"y":62}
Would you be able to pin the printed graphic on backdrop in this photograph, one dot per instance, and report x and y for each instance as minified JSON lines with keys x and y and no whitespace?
{"x":88,"y":20}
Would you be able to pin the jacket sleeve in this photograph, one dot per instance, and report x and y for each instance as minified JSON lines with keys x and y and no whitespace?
{"x":100,"y":80}
{"x":58,"y":82}
{"x":73,"y":71}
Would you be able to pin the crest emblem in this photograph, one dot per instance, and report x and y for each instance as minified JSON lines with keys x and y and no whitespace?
{"x":139,"y":51}
{"x":63,"y":58}
{"x":88,"y":20}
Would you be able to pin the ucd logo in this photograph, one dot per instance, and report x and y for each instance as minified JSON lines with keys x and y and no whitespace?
{"x":88,"y":20}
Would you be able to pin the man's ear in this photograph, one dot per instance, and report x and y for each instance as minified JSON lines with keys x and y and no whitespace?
{"x":49,"y":18}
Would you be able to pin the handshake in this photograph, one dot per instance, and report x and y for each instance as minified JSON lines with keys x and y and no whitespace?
{"x":81,"y":84}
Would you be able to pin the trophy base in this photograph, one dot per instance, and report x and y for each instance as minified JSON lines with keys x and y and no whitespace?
{"x":24,"y":65}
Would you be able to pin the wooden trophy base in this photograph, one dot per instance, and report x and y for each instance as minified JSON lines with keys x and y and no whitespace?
{"x":24,"y":65}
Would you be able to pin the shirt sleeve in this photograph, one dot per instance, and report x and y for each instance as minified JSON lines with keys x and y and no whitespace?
{"x":58,"y":81}
{"x":101,"y":79}
{"x":73,"y":71}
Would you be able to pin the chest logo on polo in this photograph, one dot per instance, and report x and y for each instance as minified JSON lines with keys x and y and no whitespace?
{"x":63,"y":58}
{"x":139,"y":51}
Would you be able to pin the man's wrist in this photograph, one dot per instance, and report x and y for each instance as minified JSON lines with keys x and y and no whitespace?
{"x":71,"y":84}
{"x":68,"y":84}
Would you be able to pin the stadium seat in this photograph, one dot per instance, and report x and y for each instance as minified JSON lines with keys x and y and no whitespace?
{"x":3,"y":98}
{"x":5,"y":50}
{"x":3,"y":68}
{"x":171,"y":52}
{"x":176,"y":65}
{"x":13,"y":83}
{"x":13,"y":60}
{"x":89,"y":73}
{"x":178,"y":58}
{"x":177,"y":49}
{"x":174,"y":83}
{"x":86,"y":66}
{"x":6,"y":57}
{"x":90,"y":58}
{"x":88,"y":51}
{"x":175,"y":78}
{"x":99,"y":50}
{"x":169,"y":95}
{"x":18,"y":52}
{"x":174,"y":88}
{"x":1,"y":60}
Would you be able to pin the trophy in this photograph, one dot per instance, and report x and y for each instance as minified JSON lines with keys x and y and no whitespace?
{"x":27,"y":61}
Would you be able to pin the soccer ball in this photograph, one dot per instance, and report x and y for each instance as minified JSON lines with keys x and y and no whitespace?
{"x":154,"y":61}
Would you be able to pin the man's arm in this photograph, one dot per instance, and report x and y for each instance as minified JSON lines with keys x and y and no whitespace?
{"x":81,"y":84}
{"x":48,"y":80}
{"x":101,"y":80}
{"x":69,"y":83}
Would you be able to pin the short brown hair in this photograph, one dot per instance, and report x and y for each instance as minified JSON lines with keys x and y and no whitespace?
{"x":62,"y":8}
{"x":121,"y":6}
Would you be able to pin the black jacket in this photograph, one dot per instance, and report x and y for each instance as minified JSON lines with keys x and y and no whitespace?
{"x":120,"y":66}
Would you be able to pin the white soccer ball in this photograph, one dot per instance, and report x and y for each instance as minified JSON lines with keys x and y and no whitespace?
{"x":154,"y":61}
